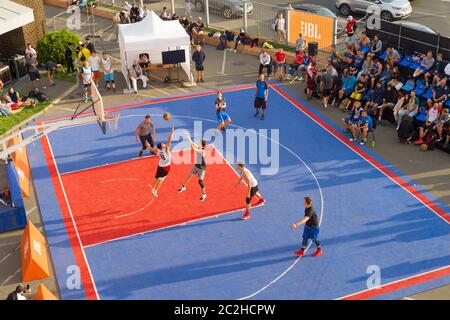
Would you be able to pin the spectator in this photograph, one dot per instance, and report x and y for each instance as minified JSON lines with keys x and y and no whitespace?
{"x":326,"y":85}
{"x":359,"y":91}
{"x":376,"y":46}
{"x":265,"y":61}
{"x":386,"y":74}
{"x":199,"y":28}
{"x":241,"y":38}
{"x":83,"y":54}
{"x":425,"y":66}
{"x":365,"y":124}
{"x":108,"y":71}
{"x":280,"y":63}
{"x":30,"y":54}
{"x":348,"y":59}
{"x":86,"y":77}
{"x":298,"y":65}
{"x":135,"y":73}
{"x":444,"y":120}
{"x":358,"y":60}
{"x":410,"y":109}
{"x":199,"y":57}
{"x":89,"y":45}
{"x":35,"y":77}
{"x":375,"y":72}
{"x":389,"y":101}
{"x":52,"y":68}
{"x":311,"y":78}
{"x":402,"y":101}
{"x":392,"y":56}
{"x":364,"y":43}
{"x":94,"y":62}
{"x":348,"y":84}
{"x":437,"y":72}
{"x":188,"y":8}
{"x":144,"y":62}
{"x":300,"y":44}
{"x":376,"y":99}
{"x":134,"y":13}
{"x":21,"y":293}
{"x":432,"y":120}
{"x":184,"y":22}
{"x":366,"y":67}
{"x":127,"y":6}
{"x":350,"y":30}
{"x":68,"y":55}
{"x":165,"y":14}
{"x":353,"y":119}
{"x":440,"y":92}
{"x":280,"y":27}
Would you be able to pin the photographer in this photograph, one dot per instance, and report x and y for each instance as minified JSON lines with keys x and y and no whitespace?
{"x":21,"y":293}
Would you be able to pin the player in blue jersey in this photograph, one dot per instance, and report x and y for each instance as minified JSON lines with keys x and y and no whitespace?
{"x":221,"y":113}
{"x":262,"y":93}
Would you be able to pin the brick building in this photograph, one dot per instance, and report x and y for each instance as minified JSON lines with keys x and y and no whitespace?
{"x":14,"y":41}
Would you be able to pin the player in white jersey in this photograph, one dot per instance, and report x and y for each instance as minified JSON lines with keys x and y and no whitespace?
{"x":252,"y":189}
{"x":165,"y":159}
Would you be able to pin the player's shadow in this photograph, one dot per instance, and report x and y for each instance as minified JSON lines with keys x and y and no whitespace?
{"x":405,"y":269}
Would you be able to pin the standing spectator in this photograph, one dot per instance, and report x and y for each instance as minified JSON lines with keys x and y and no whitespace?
{"x":188,"y":9}
{"x":144,"y":62}
{"x":300,"y":44}
{"x":35,"y":76}
{"x":134,"y":13}
{"x":265,"y":61}
{"x":115,"y":27}
{"x":280,"y":63}
{"x":350,"y":30}
{"x":359,"y":91}
{"x":86,"y":76}
{"x":425,"y":65}
{"x":52,"y":68}
{"x":199,"y":58}
{"x":68,"y":55}
{"x":145,"y":132}
{"x":311,"y":78}
{"x":280,"y":27}
{"x":94,"y":62}
{"x":348,"y":84}
{"x":83,"y":54}
{"x":108,"y":71}
{"x":135,"y":73}
{"x":89,"y":45}
{"x":30,"y":53}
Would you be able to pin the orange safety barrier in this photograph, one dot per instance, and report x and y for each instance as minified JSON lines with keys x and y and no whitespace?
{"x":21,"y":164}
{"x":34,"y":254}
{"x":43,"y":293}
{"x":314,"y":28}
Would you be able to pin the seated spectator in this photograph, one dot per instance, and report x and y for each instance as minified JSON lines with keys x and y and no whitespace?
{"x":83,"y":54}
{"x":395,"y":79}
{"x":127,"y":7}
{"x":444,"y":121}
{"x":389,"y":101}
{"x":265,"y":62}
{"x":437,"y":72}
{"x":376,"y":46}
{"x":366,"y":66}
{"x":359,"y":91}
{"x":15,"y":101}
{"x":35,"y":76}
{"x":30,"y":54}
{"x":280,"y":64}
{"x":52,"y":68}
{"x":300,"y":44}
{"x":353,"y":118}
{"x":432,"y":120}
{"x":359,"y":60}
{"x":125,"y":17}
{"x":242,"y":37}
{"x":144,"y":62}
{"x":5,"y":109}
{"x":349,"y":56}
{"x":365,"y":124}
{"x":375,"y":99}
{"x":348,"y":85}
{"x":165,"y":15}
{"x":375,"y":72}
{"x":440,"y":92}
{"x":364,"y":43}
{"x":21,"y":293}
{"x":392,"y":56}
{"x":425,"y":66}
{"x":386,"y":74}
{"x":311,"y":78}
{"x":135,"y":73}
{"x":402,"y":101}
{"x":350,"y":30}
{"x":184,"y":22}
{"x":198,"y":29}
{"x":89,"y":45}
{"x":410,"y":109}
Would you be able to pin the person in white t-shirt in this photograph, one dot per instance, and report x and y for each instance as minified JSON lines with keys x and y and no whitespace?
{"x":280,"y":27}
{"x":252,"y":189}
{"x":86,"y":76}
{"x":30,"y":53}
{"x":433,"y":115}
{"x":94,"y":62}
{"x":108,"y":71}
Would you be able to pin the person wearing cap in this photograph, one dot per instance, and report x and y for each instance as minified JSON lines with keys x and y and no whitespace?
{"x":350,"y":30}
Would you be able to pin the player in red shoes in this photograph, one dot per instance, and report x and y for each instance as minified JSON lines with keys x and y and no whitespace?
{"x":252,"y":191}
{"x":165,"y":159}
{"x":311,"y":230}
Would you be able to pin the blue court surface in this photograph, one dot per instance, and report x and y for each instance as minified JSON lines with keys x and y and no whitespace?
{"x":371,"y":216}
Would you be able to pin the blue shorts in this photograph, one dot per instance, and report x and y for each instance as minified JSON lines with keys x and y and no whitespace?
{"x":311,"y":233}
{"x":108,"y":76}
{"x":222,"y":116}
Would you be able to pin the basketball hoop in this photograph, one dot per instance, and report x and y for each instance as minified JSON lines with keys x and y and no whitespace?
{"x":113,"y":120}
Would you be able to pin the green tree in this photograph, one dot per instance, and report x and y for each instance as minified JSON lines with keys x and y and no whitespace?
{"x":53,"y":45}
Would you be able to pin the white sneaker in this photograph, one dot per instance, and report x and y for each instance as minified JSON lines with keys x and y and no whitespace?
{"x":203,"y":197}
{"x":183,"y":188}
{"x":154,"y":193}
{"x":351,"y":139}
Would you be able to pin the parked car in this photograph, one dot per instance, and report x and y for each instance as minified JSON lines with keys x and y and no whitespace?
{"x":416,"y":26}
{"x":320,"y":10}
{"x":228,"y":8}
{"x":389,"y":9}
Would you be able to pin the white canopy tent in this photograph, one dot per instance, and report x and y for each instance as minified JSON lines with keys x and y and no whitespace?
{"x":152,"y":36}
{"x":13,"y":16}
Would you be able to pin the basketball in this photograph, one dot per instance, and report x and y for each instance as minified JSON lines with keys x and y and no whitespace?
{"x":166,"y":116}
{"x":423,"y":147}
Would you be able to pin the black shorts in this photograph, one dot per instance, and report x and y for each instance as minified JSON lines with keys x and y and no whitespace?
{"x":86,"y":85}
{"x":35,"y":76}
{"x":148,"y":138}
{"x":253,"y":191}
{"x":199,"y":67}
{"x":260,"y":103}
{"x":326,"y":92}
{"x":162,"y":172}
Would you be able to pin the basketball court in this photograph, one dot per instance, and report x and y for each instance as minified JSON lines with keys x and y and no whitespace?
{"x":95,"y":199}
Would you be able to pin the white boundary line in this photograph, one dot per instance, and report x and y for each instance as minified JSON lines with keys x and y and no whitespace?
{"x":363,"y":157}
{"x":72,"y":218}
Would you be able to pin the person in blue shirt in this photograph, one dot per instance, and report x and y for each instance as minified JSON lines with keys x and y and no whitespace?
{"x":261,"y":95}
{"x":376,"y":98}
{"x":348,"y":85}
{"x":365,"y":124}
{"x":359,"y":60}
{"x":353,"y":119}
{"x":222,"y":115}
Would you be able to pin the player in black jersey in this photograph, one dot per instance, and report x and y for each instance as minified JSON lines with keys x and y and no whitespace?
{"x":199,"y":167}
